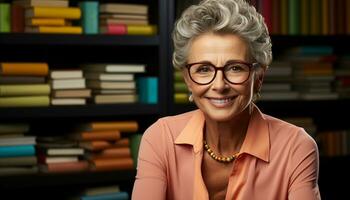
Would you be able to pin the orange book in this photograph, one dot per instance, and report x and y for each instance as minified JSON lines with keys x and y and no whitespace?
{"x":112,"y":164}
{"x":65,"y":167}
{"x":122,"y":126}
{"x":120,"y":152}
{"x":95,"y":145}
{"x":97,"y":135}
{"x":29,"y":69}
{"x":123,"y":142}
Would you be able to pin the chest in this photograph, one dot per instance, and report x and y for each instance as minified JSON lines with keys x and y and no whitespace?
{"x":215,"y":176}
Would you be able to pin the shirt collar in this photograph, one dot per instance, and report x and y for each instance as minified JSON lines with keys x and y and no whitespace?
{"x":256,"y":142}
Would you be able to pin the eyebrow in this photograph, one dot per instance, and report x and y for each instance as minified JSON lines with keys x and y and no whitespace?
{"x":227,"y":62}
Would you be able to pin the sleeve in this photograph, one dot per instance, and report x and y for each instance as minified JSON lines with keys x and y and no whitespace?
{"x":151,"y":178}
{"x":304,"y":170}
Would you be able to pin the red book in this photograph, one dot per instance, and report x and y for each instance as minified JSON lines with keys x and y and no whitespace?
{"x":17,"y":18}
{"x":65,"y":167}
{"x":115,"y":29}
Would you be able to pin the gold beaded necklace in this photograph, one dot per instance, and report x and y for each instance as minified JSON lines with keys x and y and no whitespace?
{"x":222,"y":159}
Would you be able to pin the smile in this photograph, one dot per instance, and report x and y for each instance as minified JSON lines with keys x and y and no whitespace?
{"x":221,"y":102}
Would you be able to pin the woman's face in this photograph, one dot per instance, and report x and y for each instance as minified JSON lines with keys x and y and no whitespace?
{"x":220,"y":100}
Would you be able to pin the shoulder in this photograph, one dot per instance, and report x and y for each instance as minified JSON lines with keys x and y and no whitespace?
{"x":286,"y":135}
{"x":168,"y":128}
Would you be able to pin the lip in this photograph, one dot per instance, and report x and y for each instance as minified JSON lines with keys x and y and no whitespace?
{"x":221,"y":102}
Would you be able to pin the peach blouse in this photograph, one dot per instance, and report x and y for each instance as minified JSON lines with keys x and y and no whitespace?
{"x":277,"y":161}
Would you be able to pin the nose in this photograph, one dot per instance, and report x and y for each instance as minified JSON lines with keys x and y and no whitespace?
{"x":219,"y":82}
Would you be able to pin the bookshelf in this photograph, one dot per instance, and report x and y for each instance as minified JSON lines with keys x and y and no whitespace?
{"x":72,"y":50}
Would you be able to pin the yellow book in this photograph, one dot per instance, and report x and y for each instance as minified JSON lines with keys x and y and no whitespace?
{"x":29,"y":101}
{"x":53,"y":12}
{"x":24,"y":90}
{"x":54,"y":29}
{"x":43,"y":3}
{"x":45,"y":22}
{"x":181,"y":98}
{"x":325,"y":17}
{"x":141,"y":29}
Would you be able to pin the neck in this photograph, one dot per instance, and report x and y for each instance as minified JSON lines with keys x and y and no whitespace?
{"x":226,"y":138}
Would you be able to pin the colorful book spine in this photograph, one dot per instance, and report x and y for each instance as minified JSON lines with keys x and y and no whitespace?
{"x":53,"y":12}
{"x":89,"y":19}
{"x":148,"y":89}
{"x":17,"y":150}
{"x":5,"y":17}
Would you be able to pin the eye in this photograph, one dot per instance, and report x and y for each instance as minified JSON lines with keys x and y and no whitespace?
{"x":236,"y":68}
{"x":203,"y":68}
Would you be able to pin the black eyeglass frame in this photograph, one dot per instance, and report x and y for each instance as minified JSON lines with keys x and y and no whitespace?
{"x":250,"y":66}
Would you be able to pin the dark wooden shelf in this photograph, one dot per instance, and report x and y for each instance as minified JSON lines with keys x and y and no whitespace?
{"x":65,"y":179}
{"x":78,"y":111}
{"x":81,"y":40}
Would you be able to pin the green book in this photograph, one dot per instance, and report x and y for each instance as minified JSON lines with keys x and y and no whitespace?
{"x":28,"y":101}
{"x":24,"y":90}
{"x":5,"y":18}
{"x":135,"y":141}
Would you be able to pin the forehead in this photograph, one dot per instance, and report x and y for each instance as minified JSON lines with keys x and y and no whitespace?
{"x":218,"y":46}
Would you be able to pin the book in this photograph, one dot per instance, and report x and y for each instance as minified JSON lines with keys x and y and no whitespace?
{"x":108,"y":196}
{"x":142,"y":29}
{"x":23,"y":140}
{"x":45,"y":22}
{"x":121,"y":8}
{"x":21,"y":79}
{"x":17,"y":18}
{"x":43,"y":159}
{"x":116,"y":91}
{"x":106,"y":21}
{"x":5,"y":16}
{"x":119,"y":68}
{"x":24,"y":101}
{"x":18,"y":161}
{"x":107,"y":153}
{"x":135,"y":140}
{"x":95,"y":145}
{"x":76,"y":83}
{"x":112,"y":164}
{"x":122,"y":126}
{"x":8,"y":128}
{"x":54,"y":29}
{"x":68,"y":101}
{"x":101,"y":190}
{"x":89,"y":19}
{"x":42,"y":3}
{"x":62,"y":151}
{"x":115,"y":98}
{"x":96,"y":84}
{"x":64,"y":167}
{"x":25,"y":69}
{"x":112,"y":134}
{"x":66,"y":74}
{"x":78,"y":93}
{"x":109,"y":76}
{"x":5,"y":171}
{"x":122,"y":16}
{"x":53,"y":12}
{"x":17,"y":151}
{"x":25,"y":90}
{"x":148,"y":89}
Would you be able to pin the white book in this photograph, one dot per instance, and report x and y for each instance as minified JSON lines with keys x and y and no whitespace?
{"x":120,"y":68}
{"x":66,"y":74}
{"x":111,"y":84}
{"x":65,"y":151}
{"x":60,"y":159}
{"x":109,"y":76}
{"x":68,"y":101}
{"x":68,"y":83}
{"x":23,"y":140}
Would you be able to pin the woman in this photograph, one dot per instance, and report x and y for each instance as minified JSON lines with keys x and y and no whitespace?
{"x":227,"y":149}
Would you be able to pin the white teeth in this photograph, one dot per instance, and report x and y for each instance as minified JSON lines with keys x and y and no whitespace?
{"x":221,"y":101}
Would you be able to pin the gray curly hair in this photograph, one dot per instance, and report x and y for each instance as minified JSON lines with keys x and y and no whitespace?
{"x":222,"y":16}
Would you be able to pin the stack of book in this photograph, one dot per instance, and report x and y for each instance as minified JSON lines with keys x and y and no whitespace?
{"x":68,"y":87}
{"x":342,"y":77}
{"x":107,"y":145}
{"x":17,"y":150}
{"x":181,"y":93}
{"x":24,"y":84}
{"x":59,"y":154}
{"x":278,"y":82}
{"x":104,"y":192}
{"x":125,"y":19}
{"x":113,"y":83}
{"x":54,"y":16}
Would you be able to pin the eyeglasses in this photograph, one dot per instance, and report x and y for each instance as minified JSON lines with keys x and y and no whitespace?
{"x":234,"y":71}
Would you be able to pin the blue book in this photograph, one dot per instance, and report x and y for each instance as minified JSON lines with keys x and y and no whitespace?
{"x":148,"y":89}
{"x":109,"y":196}
{"x":89,"y":19}
{"x":17,"y":150}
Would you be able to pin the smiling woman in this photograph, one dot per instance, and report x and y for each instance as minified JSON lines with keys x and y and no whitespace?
{"x":227,"y":149}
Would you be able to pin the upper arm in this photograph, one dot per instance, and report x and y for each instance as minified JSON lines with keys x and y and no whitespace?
{"x":151,"y":178}
{"x":304,"y":170}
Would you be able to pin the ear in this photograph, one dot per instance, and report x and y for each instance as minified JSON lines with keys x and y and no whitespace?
{"x":260,"y":73}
